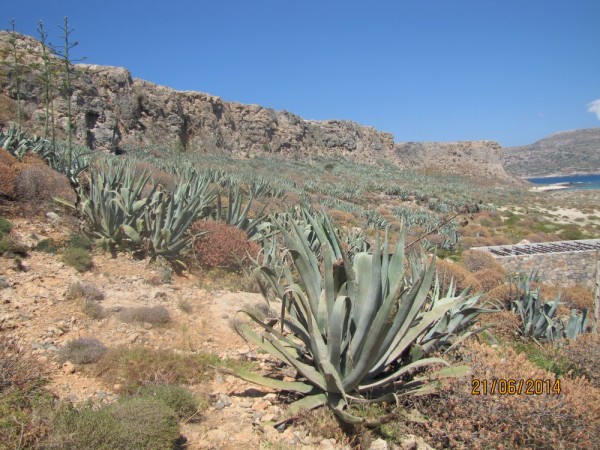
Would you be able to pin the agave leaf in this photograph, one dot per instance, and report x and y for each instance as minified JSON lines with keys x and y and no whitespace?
{"x":292,"y":386}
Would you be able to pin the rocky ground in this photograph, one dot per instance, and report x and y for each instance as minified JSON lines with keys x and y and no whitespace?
{"x":35,"y":309}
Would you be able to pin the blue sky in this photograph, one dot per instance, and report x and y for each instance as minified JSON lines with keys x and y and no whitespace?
{"x":513,"y":71}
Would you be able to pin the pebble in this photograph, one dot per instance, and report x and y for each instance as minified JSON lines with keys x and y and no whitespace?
{"x":261,"y":405}
{"x":378,"y":444}
{"x":68,"y":367}
{"x":225,"y":399}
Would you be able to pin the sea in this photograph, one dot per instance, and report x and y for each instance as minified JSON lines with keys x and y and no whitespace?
{"x":572,"y":181}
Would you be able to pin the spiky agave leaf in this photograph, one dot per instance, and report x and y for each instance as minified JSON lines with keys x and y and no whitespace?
{"x":351,"y":322}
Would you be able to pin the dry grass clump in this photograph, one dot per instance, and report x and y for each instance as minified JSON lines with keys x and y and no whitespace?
{"x":584,"y":356}
{"x":138,"y":366}
{"x":155,"y":315}
{"x":83,"y":350}
{"x":223,"y":246}
{"x":448,"y":270}
{"x":458,"y":419}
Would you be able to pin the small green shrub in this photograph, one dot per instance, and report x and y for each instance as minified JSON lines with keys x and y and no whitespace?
{"x":131,"y":423}
{"x":78,"y":258}
{"x":178,"y":398}
{"x":82,"y":351}
{"x":25,"y":404}
{"x":47,"y":246}
{"x":80,"y":241}
{"x":136,"y":366}
{"x":155,"y":315}
{"x":571,"y":233}
{"x":5,"y":226}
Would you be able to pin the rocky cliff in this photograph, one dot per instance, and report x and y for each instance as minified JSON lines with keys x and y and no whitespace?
{"x":564,"y":153}
{"x":112,"y":110}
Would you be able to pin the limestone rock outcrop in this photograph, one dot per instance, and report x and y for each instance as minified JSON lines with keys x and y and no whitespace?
{"x":111,"y":111}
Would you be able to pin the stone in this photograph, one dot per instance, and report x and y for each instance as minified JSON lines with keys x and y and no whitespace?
{"x":225,"y":399}
{"x":68,"y":367}
{"x":261,"y":405}
{"x":378,"y":444}
{"x":52,"y":217}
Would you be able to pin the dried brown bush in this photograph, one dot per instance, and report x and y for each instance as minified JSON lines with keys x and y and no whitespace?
{"x":577,"y":296}
{"x":584,"y":355}
{"x":8,"y":174}
{"x":474,"y":230}
{"x":490,"y":279}
{"x":459,"y":419}
{"x":36,"y":183}
{"x":502,"y":294}
{"x":223,"y":246}
{"x":448,"y":270}
{"x":504,"y":325}
{"x":475,"y":260}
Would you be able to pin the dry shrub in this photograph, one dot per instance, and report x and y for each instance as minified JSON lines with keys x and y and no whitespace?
{"x":474,"y":230}
{"x":83,"y":290}
{"x":36,"y":184}
{"x":139,"y":366}
{"x":155,"y":315}
{"x":578,"y":296}
{"x":542,"y":237}
{"x":8,"y":174}
{"x":84,"y":350}
{"x":469,"y":242}
{"x":158,"y":176}
{"x":502,"y":294}
{"x":25,"y":405}
{"x":223,"y":246}
{"x":475,"y":260}
{"x":504,"y":325}
{"x":490,"y":278}
{"x":448,"y":270}
{"x":499,"y":240}
{"x":459,"y":419}
{"x":584,"y":356}
{"x":341,"y":217}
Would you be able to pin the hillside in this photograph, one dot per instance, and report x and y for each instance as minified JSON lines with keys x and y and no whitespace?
{"x":565,"y":153}
{"x":112,"y":111}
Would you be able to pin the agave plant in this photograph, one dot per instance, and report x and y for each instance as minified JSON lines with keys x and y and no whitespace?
{"x":347,"y":327}
{"x":115,"y":207}
{"x":455,"y":326}
{"x":170,"y":214}
{"x":538,"y":318}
